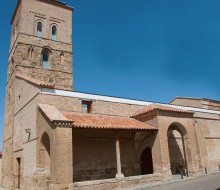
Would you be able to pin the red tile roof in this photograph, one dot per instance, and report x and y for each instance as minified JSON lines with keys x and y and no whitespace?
{"x":82,"y":120}
{"x":154,"y":106}
{"x":34,"y":81}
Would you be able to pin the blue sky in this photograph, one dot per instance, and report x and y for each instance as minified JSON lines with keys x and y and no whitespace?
{"x":141,"y":49}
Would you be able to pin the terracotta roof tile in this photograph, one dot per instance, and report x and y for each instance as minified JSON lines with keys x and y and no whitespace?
{"x":34,"y":81}
{"x":82,"y":120}
{"x":154,"y":106}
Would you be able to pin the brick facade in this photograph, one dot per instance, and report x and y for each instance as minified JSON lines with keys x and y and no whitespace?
{"x":44,"y":150}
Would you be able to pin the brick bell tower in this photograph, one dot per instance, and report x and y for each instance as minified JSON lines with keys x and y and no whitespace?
{"x":41,"y":42}
{"x":40,"y":48}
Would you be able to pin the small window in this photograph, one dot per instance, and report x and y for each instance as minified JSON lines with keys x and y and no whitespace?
{"x":30,"y":51}
{"x":45,"y":59}
{"x":87,"y":106}
{"x":61,"y":58}
{"x":39,"y":29}
{"x":54,"y":33}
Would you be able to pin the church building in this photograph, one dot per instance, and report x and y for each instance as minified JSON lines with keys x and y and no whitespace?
{"x":59,"y":139}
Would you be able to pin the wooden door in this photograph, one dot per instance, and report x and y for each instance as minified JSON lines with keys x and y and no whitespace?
{"x":146,"y":162}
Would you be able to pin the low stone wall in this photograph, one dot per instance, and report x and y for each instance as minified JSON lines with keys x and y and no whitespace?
{"x":95,"y":174}
{"x":110,"y":184}
{"x":102,"y":173}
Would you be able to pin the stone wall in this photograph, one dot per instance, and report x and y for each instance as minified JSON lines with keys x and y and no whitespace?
{"x":111,"y":184}
{"x":60,"y":74}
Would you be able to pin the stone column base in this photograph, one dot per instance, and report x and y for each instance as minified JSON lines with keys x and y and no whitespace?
{"x":119,"y":176}
{"x":59,"y":187}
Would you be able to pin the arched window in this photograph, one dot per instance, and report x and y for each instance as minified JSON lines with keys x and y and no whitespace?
{"x":61,"y":58}
{"x":39,"y":29}
{"x":45,"y":59}
{"x":54,"y":33}
{"x":30,"y":52}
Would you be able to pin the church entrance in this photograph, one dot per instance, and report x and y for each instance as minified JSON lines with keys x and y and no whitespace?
{"x":177,"y":152}
{"x":146,"y":161}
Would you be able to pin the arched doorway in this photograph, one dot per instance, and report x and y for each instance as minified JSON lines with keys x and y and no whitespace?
{"x":146,"y":161}
{"x":45,"y":152}
{"x":177,"y":151}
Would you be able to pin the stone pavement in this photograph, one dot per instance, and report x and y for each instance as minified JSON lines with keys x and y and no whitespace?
{"x":175,"y":179}
{"x":208,"y":182}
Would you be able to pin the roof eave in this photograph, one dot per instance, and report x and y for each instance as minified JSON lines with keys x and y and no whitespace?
{"x":59,"y":3}
{"x":41,"y":85}
{"x":114,"y":128}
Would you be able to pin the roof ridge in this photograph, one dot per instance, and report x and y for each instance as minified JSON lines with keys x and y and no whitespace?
{"x":94,"y":114}
{"x":156,"y":106}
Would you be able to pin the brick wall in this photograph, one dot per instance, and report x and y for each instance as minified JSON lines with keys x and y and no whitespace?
{"x":95,"y":154}
{"x":65,"y":103}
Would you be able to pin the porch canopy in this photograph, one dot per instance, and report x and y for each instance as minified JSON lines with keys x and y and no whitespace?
{"x":92,"y":121}
{"x":84,"y":120}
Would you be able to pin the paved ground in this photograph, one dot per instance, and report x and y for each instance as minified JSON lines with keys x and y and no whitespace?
{"x":205,"y":182}
{"x":211,"y":182}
